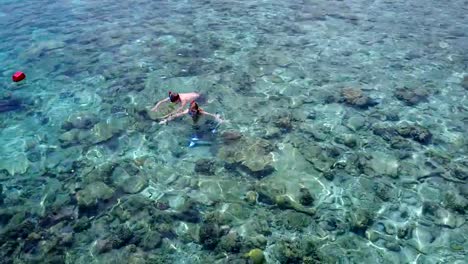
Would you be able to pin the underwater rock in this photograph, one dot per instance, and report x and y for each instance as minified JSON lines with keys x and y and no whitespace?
{"x":383,"y":191}
{"x":300,"y":250}
{"x":94,"y":193}
{"x":348,"y":140}
{"x":463,"y":188}
{"x":464,"y":83}
{"x":209,"y":235}
{"x":355,"y":97}
{"x":104,"y":245}
{"x":105,"y":130}
{"x":392,"y":245}
{"x":329,"y":175}
{"x":330,"y":222}
{"x":258,"y":168}
{"x":459,"y":169}
{"x":151,"y":240}
{"x":290,"y":252}
{"x":251,"y":197}
{"x":384,"y":164}
{"x":2,"y":196}
{"x":101,"y":132}
{"x":34,"y":155}
{"x":283,"y":60}
{"x":284,"y":123}
{"x":317,"y":156}
{"x":69,"y":138}
{"x":83,"y":120}
{"x":267,"y":191}
{"x":62,"y":160}
{"x":415,"y":132}
{"x":287,"y":202}
{"x":356,"y":122}
{"x":411,"y":96}
{"x":423,"y":238}
{"x":15,"y":164}
{"x":385,"y":131}
{"x":19,"y":227}
{"x":305,"y":197}
{"x":187,"y":213}
{"x":255,"y":241}
{"x":129,"y":179}
{"x":404,"y":145}
{"x":205,"y":166}
{"x":404,"y":232}
{"x":139,"y":183}
{"x":242,"y":82}
{"x":121,"y":235}
{"x":11,"y":104}
{"x":256,"y":256}
{"x":430,"y":208}
{"x":231,"y":242}
{"x":230,"y":136}
{"x":272,"y":132}
{"x":391,"y":116}
{"x":253,"y":155}
{"x":293,"y":220}
{"x":103,"y":172}
{"x":360,"y":220}
{"x":82,"y":224}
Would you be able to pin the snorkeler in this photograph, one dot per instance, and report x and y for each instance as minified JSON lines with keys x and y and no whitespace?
{"x":176,"y":98}
{"x":195,"y":112}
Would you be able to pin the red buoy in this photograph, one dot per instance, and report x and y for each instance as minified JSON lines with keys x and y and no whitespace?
{"x":18,"y":76}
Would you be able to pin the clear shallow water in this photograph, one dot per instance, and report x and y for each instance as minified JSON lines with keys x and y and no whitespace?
{"x":361,"y":104}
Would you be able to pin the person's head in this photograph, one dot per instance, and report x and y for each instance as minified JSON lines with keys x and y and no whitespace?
{"x":174,"y":97}
{"x":194,"y":110}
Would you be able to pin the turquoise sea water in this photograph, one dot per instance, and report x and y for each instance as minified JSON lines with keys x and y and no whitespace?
{"x":345,"y":139}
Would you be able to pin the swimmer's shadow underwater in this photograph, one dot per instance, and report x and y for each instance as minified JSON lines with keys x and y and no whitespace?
{"x":203,"y":135}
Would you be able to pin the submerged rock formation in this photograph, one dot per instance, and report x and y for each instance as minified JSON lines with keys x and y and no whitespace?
{"x":356,"y":97}
{"x":10,"y":105}
{"x":253,"y":155}
{"x":411,"y":96}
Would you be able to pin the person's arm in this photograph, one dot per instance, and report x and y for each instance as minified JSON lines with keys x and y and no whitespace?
{"x":174,"y":116}
{"x":155,"y":108}
{"x":175,"y":111}
{"x":216,"y":117}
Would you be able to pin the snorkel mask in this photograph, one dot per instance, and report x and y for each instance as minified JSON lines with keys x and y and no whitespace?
{"x":173,"y":97}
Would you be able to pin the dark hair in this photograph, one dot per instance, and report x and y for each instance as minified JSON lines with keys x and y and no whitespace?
{"x":173,"y":97}
{"x":194,"y":111}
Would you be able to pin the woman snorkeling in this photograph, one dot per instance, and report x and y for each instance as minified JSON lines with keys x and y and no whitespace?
{"x":195,"y":112}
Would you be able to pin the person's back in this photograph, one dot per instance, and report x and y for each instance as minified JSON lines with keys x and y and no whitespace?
{"x":186,"y":98}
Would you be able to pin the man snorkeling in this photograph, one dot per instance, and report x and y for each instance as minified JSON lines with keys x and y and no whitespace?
{"x":176,"y":98}
{"x":194,"y":111}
